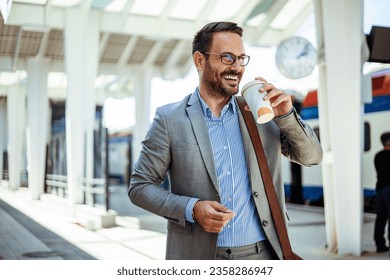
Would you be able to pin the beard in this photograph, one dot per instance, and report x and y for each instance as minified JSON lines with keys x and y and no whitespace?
{"x":215,"y":85}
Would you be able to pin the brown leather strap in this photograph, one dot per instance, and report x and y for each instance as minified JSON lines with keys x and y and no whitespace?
{"x":267,"y":180}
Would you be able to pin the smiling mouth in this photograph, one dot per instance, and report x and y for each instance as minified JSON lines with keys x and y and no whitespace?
{"x":231,"y":77}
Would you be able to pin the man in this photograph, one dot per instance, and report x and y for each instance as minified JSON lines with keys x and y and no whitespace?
{"x":216,"y":207}
{"x":382,"y":166}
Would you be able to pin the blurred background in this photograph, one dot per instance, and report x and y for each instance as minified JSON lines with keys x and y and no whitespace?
{"x":80,"y":81}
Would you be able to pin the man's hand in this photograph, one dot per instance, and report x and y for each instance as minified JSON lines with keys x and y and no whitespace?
{"x":280,"y":101}
{"x":212,"y":216}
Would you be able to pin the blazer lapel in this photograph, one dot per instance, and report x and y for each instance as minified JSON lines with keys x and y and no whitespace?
{"x":195,"y":113}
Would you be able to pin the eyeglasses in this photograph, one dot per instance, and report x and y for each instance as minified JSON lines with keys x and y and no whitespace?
{"x":230,"y":59}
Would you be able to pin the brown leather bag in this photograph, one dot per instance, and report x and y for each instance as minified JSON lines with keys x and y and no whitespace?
{"x":276,"y":212}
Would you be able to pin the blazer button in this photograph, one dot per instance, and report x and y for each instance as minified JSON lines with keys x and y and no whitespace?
{"x":256,"y":194}
{"x":264,"y":223}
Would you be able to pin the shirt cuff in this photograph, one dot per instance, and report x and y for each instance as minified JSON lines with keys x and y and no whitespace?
{"x":189,"y":210}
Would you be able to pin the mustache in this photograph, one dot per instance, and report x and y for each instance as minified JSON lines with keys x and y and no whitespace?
{"x":232,"y":73}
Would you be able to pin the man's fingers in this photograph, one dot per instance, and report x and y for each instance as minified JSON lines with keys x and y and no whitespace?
{"x":261,"y":79}
{"x":224,"y":216}
{"x":212,"y":216}
{"x":219,"y":207}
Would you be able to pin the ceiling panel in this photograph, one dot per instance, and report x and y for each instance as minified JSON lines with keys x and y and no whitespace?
{"x":55,"y":45}
{"x":114,"y":48}
{"x":159,"y":32}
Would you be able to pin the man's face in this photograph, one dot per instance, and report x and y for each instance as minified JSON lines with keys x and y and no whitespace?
{"x":221,"y":79}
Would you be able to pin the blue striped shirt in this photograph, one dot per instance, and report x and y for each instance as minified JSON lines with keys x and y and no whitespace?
{"x":233,"y":178}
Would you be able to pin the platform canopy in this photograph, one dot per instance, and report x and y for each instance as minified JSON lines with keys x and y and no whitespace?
{"x":151,"y":33}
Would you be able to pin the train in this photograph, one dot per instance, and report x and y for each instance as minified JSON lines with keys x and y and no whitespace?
{"x":376,"y":122}
{"x":119,"y":149}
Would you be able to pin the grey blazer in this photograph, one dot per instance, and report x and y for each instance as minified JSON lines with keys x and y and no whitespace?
{"x":178,"y":143}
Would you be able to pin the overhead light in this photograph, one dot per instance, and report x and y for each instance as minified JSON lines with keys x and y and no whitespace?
{"x":153,"y":8}
{"x":256,"y":21}
{"x":101,"y":3}
{"x":34,"y":2}
{"x":187,"y":9}
{"x":65,"y":3}
{"x":5,"y":8}
{"x":116,"y":6}
{"x":225,"y":9}
{"x":289,"y":12}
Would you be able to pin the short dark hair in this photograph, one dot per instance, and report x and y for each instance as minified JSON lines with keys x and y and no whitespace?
{"x":204,"y":38}
{"x":385,"y":139}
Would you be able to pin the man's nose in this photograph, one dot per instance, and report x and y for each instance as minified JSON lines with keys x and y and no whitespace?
{"x":236,"y":66}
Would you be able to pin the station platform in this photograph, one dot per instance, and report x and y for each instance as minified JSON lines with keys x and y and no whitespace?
{"x":45,"y":230}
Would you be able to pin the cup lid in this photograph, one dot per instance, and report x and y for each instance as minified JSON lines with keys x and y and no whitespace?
{"x":251,"y":83}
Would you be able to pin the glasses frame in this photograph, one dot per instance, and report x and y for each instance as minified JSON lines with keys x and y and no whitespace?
{"x":240,"y":58}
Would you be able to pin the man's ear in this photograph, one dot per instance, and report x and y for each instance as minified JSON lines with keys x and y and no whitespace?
{"x":199,"y":60}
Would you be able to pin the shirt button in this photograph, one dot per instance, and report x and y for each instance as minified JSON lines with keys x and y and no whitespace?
{"x":264,"y":223}
{"x":256,"y":194}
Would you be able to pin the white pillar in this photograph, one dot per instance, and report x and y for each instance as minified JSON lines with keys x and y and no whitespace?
{"x":143,"y":87}
{"x":16,"y":113}
{"x":3,"y":132}
{"x":37,"y":125}
{"x":81,"y":60}
{"x":325,"y":135}
{"x":341,"y":114}
{"x":91,"y":70}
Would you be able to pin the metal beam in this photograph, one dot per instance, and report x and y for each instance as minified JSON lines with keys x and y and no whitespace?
{"x":17,"y":48}
{"x":103,"y":44}
{"x":130,"y":46}
{"x":154,"y":52}
{"x":174,"y":57}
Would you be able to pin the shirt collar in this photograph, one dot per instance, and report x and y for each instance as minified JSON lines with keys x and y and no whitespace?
{"x":207,"y":111}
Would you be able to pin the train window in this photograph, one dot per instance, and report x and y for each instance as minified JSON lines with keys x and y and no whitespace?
{"x":367,"y":137}
{"x":316,"y":130}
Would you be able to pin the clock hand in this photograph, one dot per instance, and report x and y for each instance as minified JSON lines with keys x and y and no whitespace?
{"x":303,"y":52}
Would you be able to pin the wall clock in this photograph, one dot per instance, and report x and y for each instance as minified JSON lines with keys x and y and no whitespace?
{"x":296,"y":57}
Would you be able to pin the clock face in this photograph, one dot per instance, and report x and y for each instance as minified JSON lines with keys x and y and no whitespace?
{"x":296,"y":57}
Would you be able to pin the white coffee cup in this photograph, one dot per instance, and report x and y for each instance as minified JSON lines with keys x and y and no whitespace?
{"x":260,"y":108}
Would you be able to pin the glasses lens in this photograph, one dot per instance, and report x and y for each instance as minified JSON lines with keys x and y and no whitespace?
{"x":244,"y":60}
{"x":228,"y":58}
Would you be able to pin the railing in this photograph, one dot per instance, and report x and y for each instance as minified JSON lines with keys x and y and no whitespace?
{"x":5,"y":176}
{"x":93,"y":187}
{"x":58,"y":183}
{"x":90,"y":186}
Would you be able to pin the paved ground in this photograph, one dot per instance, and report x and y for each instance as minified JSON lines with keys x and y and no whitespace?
{"x":45,"y":229}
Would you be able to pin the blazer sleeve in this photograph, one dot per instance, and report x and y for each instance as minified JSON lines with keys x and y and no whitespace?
{"x":148,"y":174}
{"x":299,"y":142}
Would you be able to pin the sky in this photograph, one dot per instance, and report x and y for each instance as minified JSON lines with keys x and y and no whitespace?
{"x":262,"y":63}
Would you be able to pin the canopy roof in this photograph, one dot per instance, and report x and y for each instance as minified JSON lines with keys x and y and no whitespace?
{"x":155,"y":33}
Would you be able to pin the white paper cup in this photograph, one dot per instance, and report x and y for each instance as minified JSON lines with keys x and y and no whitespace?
{"x":261,"y":109}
